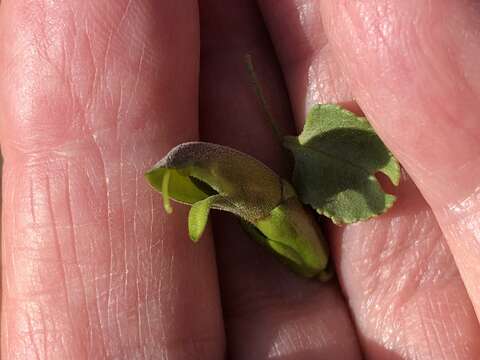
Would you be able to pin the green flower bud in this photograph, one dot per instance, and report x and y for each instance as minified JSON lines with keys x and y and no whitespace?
{"x":209,"y":176}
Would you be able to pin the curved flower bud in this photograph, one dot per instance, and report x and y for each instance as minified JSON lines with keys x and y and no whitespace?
{"x":209,"y":176}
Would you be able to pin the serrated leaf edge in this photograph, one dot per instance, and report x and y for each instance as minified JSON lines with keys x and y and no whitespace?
{"x":338,"y":221}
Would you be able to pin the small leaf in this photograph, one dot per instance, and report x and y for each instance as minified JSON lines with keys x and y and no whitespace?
{"x":198,"y":216}
{"x":336,"y":158}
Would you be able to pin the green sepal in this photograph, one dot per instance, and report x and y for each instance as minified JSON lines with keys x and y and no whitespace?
{"x":293,"y":236}
{"x":292,"y":233}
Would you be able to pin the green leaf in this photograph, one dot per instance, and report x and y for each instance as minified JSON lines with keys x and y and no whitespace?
{"x":336,"y":158}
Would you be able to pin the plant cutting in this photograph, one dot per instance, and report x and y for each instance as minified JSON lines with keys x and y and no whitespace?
{"x":336,"y":158}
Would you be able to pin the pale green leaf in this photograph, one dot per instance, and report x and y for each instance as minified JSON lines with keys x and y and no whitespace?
{"x":336,"y":158}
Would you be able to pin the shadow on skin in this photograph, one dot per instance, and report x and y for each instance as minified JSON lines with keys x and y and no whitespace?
{"x":271,"y":313}
{"x":269,"y":323}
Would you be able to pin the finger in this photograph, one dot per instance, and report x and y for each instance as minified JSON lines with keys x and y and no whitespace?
{"x":403,"y":287}
{"x":423,"y":102}
{"x":269,"y":312}
{"x":92,"y":94}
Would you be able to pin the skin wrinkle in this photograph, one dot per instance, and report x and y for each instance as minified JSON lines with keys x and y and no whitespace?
{"x":121,"y":176}
{"x":125,"y":262}
{"x":393,"y":250}
{"x":432,"y":338}
{"x":97,"y":309}
{"x":38,"y":46}
{"x":391,"y":253}
{"x":58,"y":250}
{"x":447,"y":346}
{"x":107,"y":192}
{"x":426,"y":334}
{"x":95,"y":279}
{"x":150,"y":270}
{"x":25,"y":302}
{"x":381,"y":328}
{"x":108,"y":226}
{"x":137,"y":276}
{"x":89,"y":57}
{"x":32,"y":340}
{"x":94,"y":315}
{"x":43,"y":334}
{"x":447,"y":351}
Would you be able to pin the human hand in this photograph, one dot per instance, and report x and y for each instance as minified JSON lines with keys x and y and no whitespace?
{"x":93,"y":93}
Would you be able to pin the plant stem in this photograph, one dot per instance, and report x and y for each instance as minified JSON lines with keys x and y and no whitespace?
{"x":261,"y":98}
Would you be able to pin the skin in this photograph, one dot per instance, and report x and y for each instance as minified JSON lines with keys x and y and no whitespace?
{"x":92,"y":93}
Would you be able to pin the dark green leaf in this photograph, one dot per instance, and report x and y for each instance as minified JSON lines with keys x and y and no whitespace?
{"x":336,"y":158}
